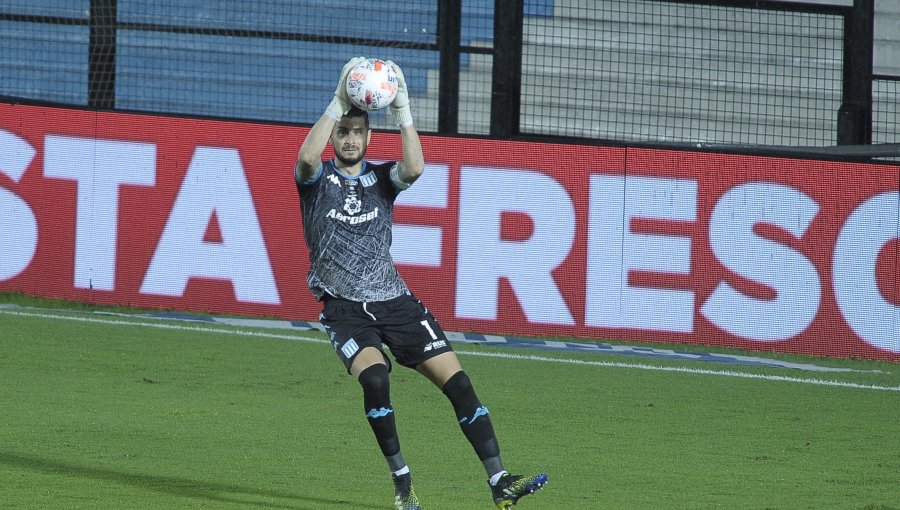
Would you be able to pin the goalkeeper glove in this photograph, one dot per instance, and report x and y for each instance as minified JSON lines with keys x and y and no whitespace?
{"x":340,"y":103}
{"x":400,"y":107}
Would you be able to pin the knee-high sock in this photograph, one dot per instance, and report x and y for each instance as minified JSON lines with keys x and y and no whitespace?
{"x":474,"y":420}
{"x":380,"y":413}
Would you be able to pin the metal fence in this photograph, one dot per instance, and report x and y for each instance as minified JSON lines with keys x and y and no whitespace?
{"x":750,"y":72}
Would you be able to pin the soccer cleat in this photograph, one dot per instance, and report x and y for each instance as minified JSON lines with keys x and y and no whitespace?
{"x":510,"y":488}
{"x":405,"y":498}
{"x":407,"y":501}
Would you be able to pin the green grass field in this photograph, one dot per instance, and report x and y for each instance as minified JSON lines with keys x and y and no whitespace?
{"x":113,"y":412}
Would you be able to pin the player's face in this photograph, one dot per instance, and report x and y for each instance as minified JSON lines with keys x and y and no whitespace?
{"x":350,"y":139}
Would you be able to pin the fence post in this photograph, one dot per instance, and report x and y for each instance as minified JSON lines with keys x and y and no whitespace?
{"x":506,"y":84}
{"x":855,"y":115}
{"x":102,"y":55}
{"x":449,"y":34}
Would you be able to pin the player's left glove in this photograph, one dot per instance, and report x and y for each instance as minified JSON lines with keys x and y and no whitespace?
{"x":340,"y":103}
{"x":400,"y":107}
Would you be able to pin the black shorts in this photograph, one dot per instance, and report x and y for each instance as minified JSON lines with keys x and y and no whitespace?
{"x":403,"y":324}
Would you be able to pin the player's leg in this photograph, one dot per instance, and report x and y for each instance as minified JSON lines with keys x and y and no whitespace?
{"x":418,"y":341}
{"x":371,"y":371}
{"x":358,"y":345}
{"x":446,"y":372}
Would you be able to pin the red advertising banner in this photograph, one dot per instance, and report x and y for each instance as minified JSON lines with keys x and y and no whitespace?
{"x":497,"y":237}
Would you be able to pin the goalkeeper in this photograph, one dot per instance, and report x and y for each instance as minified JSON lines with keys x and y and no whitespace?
{"x":347,"y":208}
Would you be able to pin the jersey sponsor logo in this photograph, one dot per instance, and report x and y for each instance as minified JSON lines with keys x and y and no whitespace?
{"x":334,"y":179}
{"x":352,"y":220}
{"x":438,"y":344}
{"x":349,"y":348}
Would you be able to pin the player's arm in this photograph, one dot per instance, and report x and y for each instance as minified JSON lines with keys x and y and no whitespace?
{"x":309,"y":157}
{"x":413,"y":163}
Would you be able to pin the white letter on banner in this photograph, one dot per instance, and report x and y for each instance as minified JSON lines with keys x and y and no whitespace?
{"x":98,"y":167}
{"x":421,"y":245}
{"x":738,"y":248}
{"x":214,"y":183}
{"x":484,"y":258}
{"x":872,"y":225}
{"x":18,"y":226}
{"x":613,"y":250}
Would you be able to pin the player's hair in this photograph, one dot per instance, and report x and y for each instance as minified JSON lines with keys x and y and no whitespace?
{"x":358,"y":112}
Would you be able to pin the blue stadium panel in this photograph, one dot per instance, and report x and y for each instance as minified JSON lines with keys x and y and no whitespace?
{"x":477,"y":27}
{"x":543,"y":8}
{"x":239,"y":77}
{"x":477,"y":23}
{"x":393,"y":21}
{"x":478,"y":18}
{"x":44,"y":62}
{"x":62,"y":8}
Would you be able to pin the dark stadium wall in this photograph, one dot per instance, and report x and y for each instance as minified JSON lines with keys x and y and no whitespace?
{"x":498,"y":237}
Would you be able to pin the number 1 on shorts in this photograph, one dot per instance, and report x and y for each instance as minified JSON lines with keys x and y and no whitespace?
{"x":430,"y":331}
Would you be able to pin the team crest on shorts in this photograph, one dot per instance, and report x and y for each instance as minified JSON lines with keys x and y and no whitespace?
{"x":349,"y":348}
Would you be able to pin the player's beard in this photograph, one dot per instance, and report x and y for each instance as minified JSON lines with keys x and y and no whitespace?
{"x":345,"y":161}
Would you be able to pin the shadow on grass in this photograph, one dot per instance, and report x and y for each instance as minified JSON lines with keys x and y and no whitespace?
{"x":217,"y":492}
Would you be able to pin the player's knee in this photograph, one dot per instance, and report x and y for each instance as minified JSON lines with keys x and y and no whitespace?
{"x":375,"y":380}
{"x":461,"y":394}
{"x":458,"y":384}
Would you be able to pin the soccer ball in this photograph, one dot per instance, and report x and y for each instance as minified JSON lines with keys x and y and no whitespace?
{"x":372,"y":84}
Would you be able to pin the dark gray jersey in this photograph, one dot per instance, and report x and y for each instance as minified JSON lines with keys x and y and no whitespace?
{"x":347,"y":223}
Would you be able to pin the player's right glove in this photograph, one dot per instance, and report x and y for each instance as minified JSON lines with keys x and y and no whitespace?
{"x":400,"y":107}
{"x":340,"y":103}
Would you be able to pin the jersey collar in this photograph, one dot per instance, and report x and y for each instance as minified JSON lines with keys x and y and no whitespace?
{"x":362,"y":171}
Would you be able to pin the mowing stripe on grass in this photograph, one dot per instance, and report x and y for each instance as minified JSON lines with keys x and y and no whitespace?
{"x":500,"y":355}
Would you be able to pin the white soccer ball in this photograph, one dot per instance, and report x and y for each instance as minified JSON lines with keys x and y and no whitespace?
{"x":372,"y":84}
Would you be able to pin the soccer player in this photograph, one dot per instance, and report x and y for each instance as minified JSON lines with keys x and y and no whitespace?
{"x":347,"y":208}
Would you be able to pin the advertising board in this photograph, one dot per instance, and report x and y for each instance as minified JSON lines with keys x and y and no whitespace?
{"x":498,"y":237}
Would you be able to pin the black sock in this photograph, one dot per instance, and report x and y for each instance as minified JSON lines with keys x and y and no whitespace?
{"x":473,"y":418}
{"x":379,"y":411}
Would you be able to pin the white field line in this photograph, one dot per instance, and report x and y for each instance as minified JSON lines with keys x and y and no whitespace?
{"x":501,"y":355}
{"x":163,"y":325}
{"x":687,"y":370}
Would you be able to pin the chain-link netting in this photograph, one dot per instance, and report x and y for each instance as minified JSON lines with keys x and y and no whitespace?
{"x":271,"y":60}
{"x":886,"y":111}
{"x":632,"y":70}
{"x":44,"y":52}
{"x":647,"y":70}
